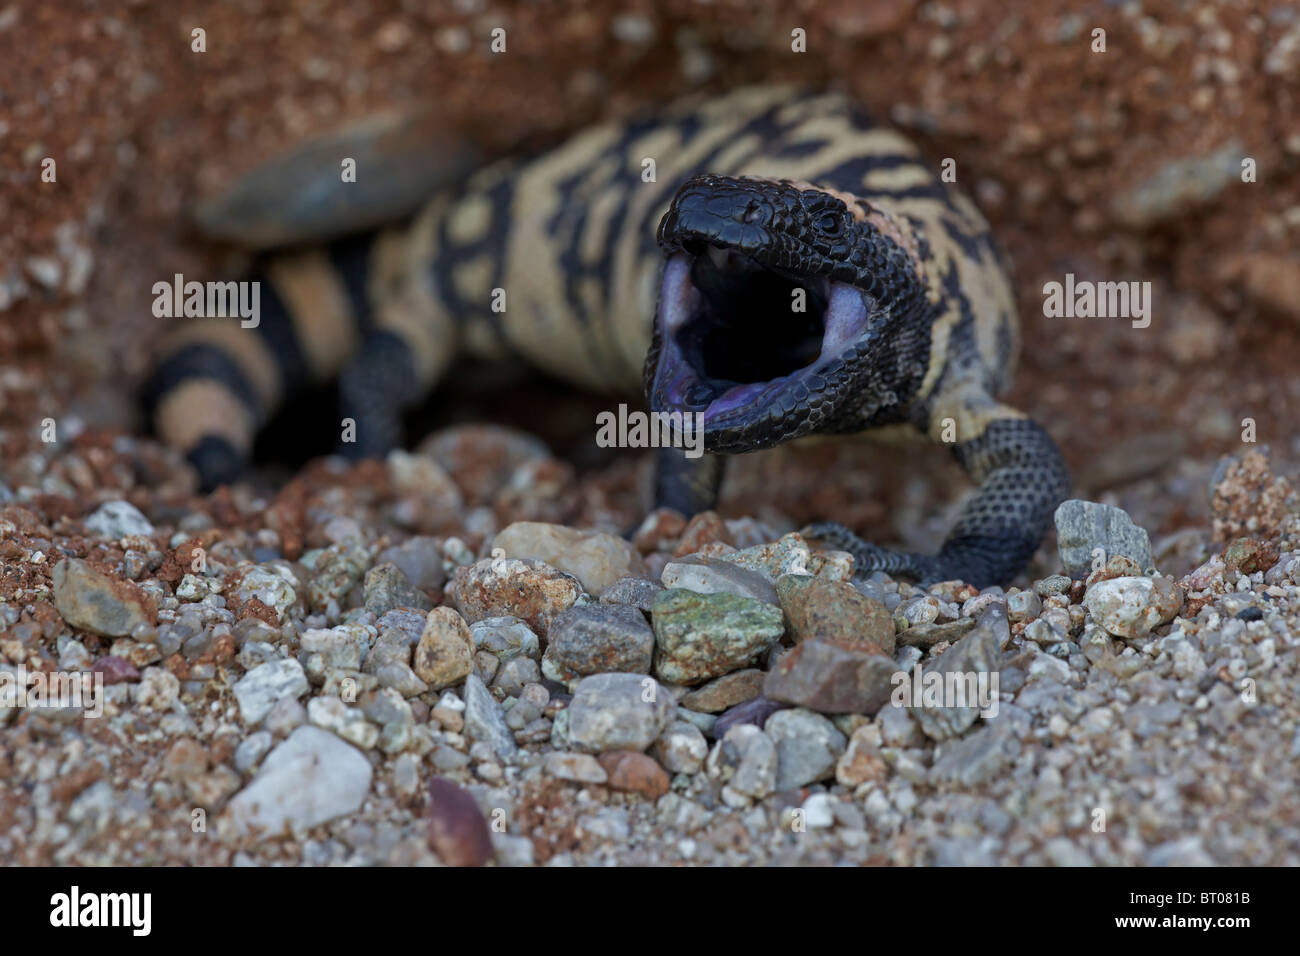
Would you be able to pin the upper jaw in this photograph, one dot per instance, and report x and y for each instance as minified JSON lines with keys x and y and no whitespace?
{"x":764,"y":402}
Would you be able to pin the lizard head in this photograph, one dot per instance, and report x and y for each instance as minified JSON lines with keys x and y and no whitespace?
{"x":775,"y":297}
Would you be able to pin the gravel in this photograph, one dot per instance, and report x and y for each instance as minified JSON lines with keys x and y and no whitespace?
{"x":316,"y":696}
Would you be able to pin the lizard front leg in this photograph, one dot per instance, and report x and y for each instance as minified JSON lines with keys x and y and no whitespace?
{"x":410,"y":343}
{"x":1022,"y":478}
{"x":375,"y":388}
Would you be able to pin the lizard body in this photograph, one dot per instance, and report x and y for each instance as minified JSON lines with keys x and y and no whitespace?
{"x":762,"y":197}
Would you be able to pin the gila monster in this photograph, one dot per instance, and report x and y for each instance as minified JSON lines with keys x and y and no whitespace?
{"x":909,"y":321}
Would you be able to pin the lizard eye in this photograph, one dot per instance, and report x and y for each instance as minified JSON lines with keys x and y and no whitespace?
{"x":830,"y":225}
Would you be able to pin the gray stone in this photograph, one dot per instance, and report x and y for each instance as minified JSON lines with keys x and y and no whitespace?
{"x":744,"y":762}
{"x":1023,"y":606}
{"x":252,"y":749}
{"x":600,"y":639}
{"x":788,"y":555}
{"x":981,"y":755}
{"x":387,"y":587}
{"x":505,"y":637}
{"x":1084,"y":526}
{"x":514,"y":674}
{"x":706,"y":575}
{"x":976,"y":656}
{"x":485,"y":720}
{"x":681,"y":748}
{"x":612,"y":712}
{"x":420,"y":559}
{"x":633,"y":591}
{"x":807,"y":747}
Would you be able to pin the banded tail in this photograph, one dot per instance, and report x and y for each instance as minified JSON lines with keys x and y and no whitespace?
{"x":343,"y":311}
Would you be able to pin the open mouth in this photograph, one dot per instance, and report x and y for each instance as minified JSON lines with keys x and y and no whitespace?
{"x":738,"y":337}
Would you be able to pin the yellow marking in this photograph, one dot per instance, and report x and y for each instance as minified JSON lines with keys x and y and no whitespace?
{"x":940,"y":332}
{"x":537,"y":319}
{"x":470,"y":220}
{"x":319,"y":308}
{"x":897,"y":178}
{"x":801,"y":108}
{"x":199,"y":407}
{"x":473,"y":281}
{"x":972,"y":411}
{"x":405,"y":303}
{"x":594,"y":241}
{"x":843,"y":143}
{"x":245,"y":347}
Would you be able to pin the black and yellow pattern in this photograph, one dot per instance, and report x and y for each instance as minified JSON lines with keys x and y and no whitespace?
{"x":555,"y":260}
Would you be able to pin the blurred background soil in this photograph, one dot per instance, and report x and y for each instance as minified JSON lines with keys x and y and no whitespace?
{"x":1122,"y":165}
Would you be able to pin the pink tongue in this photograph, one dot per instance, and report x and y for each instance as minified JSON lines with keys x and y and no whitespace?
{"x":846,"y":315}
{"x":734,"y":398}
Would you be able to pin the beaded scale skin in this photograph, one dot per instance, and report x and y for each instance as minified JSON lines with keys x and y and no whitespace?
{"x":809,"y":275}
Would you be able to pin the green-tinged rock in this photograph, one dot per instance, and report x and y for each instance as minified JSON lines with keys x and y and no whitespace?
{"x":699,"y":636}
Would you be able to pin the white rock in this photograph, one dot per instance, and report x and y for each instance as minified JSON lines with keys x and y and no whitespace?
{"x":310,"y":778}
{"x":681,"y":748}
{"x":261,"y":688}
{"x":817,"y":813}
{"x":118,"y":519}
{"x":330,"y":713}
{"x":272,"y":585}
